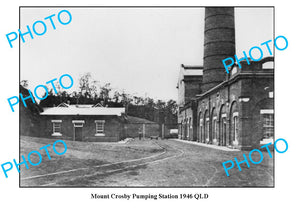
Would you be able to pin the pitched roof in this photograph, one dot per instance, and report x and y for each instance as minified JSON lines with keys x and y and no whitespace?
{"x":83,"y":110}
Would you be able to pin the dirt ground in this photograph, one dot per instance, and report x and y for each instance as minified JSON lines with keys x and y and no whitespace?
{"x":145,"y":163}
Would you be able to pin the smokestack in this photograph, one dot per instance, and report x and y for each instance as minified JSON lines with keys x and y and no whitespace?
{"x":219,"y":43}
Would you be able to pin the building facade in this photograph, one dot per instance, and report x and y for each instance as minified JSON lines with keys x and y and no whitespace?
{"x":83,"y":123}
{"x":189,"y":85}
{"x":235,"y":109}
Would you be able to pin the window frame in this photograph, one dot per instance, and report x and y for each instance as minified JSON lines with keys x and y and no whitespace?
{"x":101,"y":131}
{"x":214,"y":129}
{"x":54,"y":128}
{"x":235,"y":118}
{"x":187,"y":125}
{"x":207,"y":123}
{"x":268,"y":126}
{"x":201,"y":130}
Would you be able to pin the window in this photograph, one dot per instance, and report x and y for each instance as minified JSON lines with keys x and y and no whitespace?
{"x":187,"y":129}
{"x":235,"y":128}
{"x":268,"y":65}
{"x":56,"y":124}
{"x":78,"y":123}
{"x":181,"y":130}
{"x":215,"y":128}
{"x":100,"y":127}
{"x":223,"y":130}
{"x":201,"y":130}
{"x":201,"y":133}
{"x":56,"y":127}
{"x":268,"y":126}
{"x":207,"y":131}
{"x":190,"y":128}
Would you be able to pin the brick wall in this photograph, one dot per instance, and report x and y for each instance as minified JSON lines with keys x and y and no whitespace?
{"x":246,"y":96}
{"x":187,"y":122}
{"x":192,"y":87}
{"x":113,"y":129}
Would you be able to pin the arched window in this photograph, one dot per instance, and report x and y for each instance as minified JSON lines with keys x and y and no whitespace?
{"x":190,"y":129}
{"x":187,"y":129}
{"x":181,"y":130}
{"x":200,"y":127}
{"x":234,"y":128}
{"x":206,"y":127}
{"x":222,"y":126}
{"x":234,"y":124}
{"x":214,"y":125}
{"x":268,"y":65}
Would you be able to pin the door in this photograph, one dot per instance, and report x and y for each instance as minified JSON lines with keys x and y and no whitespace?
{"x":78,"y":125}
{"x":78,"y":133}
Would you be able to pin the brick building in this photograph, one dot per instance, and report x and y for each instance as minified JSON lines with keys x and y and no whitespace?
{"x":189,"y":85}
{"x":92,"y":123}
{"x":235,"y":109}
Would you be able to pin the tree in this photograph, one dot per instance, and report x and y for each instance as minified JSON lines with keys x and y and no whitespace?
{"x":91,"y":92}
{"x":105,"y":93}
{"x":116,"y":97}
{"x":29,"y":116}
{"x":160,"y":104}
{"x":172,"y":106}
{"x":85,"y":85}
{"x":24,"y":83}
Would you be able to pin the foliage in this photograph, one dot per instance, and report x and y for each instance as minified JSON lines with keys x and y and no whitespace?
{"x":91,"y":92}
{"x":29,"y":116}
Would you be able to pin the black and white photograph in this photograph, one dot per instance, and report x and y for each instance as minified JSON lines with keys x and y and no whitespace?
{"x":149,"y":106}
{"x":147,"y":96}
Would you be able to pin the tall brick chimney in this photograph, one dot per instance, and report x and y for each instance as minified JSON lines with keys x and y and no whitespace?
{"x":219,"y":43}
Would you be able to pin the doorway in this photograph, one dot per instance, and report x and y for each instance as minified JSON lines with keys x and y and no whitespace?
{"x":78,"y":126}
{"x":78,"y":133}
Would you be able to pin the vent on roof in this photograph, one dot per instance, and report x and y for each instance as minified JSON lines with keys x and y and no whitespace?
{"x":63,"y":105}
{"x":97,"y":105}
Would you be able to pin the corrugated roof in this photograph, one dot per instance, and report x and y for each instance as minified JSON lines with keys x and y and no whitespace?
{"x":83,"y":110}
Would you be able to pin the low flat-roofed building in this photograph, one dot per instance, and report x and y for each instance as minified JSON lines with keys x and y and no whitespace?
{"x":92,"y":123}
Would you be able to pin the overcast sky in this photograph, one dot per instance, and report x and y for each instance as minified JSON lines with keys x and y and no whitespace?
{"x":136,"y":49}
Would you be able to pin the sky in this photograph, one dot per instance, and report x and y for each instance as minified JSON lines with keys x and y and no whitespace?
{"x":138,"y":50}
